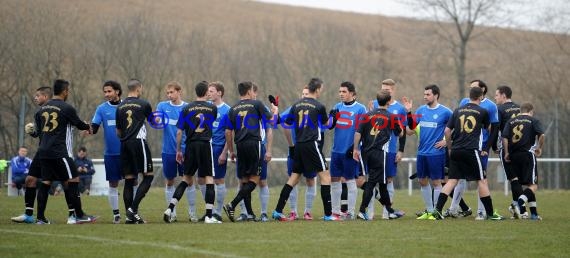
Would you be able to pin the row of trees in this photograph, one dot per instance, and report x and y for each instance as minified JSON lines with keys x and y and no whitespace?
{"x":280,"y":48}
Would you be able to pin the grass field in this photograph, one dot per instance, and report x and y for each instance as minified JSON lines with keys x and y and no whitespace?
{"x":405,"y":237}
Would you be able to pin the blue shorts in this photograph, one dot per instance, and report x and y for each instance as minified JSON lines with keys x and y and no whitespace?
{"x":263,"y":174}
{"x":432,"y":167}
{"x":306,"y":174}
{"x":484,"y":161}
{"x":391,"y":165}
{"x":219,"y":170}
{"x":113,"y":168}
{"x":342,"y":166}
{"x":170,"y":168}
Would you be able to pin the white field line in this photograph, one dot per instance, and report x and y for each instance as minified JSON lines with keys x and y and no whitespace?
{"x":125,"y":242}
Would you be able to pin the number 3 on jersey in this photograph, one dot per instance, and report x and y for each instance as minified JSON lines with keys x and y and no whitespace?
{"x":50,"y":124}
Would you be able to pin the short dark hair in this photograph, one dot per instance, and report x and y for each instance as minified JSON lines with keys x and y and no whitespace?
{"x":475,"y":93}
{"x":482,"y":84}
{"x":526,"y":107}
{"x":218,"y":85}
{"x":314,"y":84}
{"x":83,"y":149}
{"x":45,"y":90}
{"x":349,"y":86}
{"x":115,"y":85}
{"x":383,"y":97}
{"x":133,"y":84}
{"x":504,"y":89}
{"x":60,"y":86}
{"x":244,"y":87}
{"x":201,"y":89}
{"x":434,"y":89}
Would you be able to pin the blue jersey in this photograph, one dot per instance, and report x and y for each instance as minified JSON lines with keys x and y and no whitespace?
{"x":432,"y":123}
{"x":493,"y":114}
{"x":171,"y":114}
{"x":284,"y":115}
{"x":219,"y":132}
{"x":346,"y":125}
{"x":105,"y":114}
{"x":398,"y":112}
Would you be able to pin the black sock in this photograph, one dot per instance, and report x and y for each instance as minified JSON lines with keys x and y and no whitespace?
{"x":141,"y":191}
{"x":74,"y":197}
{"x":30,"y":199}
{"x":452,"y":191}
{"x":366,"y":196}
{"x":283,"y":197}
{"x":326,"y":197}
{"x":128,"y":192}
{"x":178,"y":193}
{"x":532,"y":203}
{"x":209,"y":199}
{"x":385,"y":197}
{"x":43,"y":193}
{"x":527,"y":193}
{"x":363,"y":186}
{"x":488,"y":204}
{"x":344,"y":198}
{"x":247,"y":203}
{"x":516,"y":189}
{"x":463,"y":205}
{"x":441,"y":199}
{"x":244,"y":191}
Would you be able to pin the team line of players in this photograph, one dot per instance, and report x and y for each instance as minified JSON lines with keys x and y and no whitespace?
{"x":360,"y":150}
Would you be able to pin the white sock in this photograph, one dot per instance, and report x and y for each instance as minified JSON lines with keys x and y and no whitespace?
{"x":391,"y":191}
{"x":426,"y":194}
{"x":203,"y":190}
{"x":336,"y":191}
{"x":436,"y":192}
{"x":293,"y":199}
{"x":370,"y":210}
{"x":352,"y":195}
{"x":113,"y":198}
{"x":264,"y":198}
{"x":191,"y":198}
{"x":458,"y":194}
{"x":168,"y":193}
{"x":220,"y":196}
{"x":480,"y":206}
{"x":310,"y":194}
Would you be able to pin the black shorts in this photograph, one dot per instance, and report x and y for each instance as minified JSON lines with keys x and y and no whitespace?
{"x":199,"y":156}
{"x":507,"y":166}
{"x":524,"y":166}
{"x":249,"y":158}
{"x":308,"y":157}
{"x":375,"y":161}
{"x":466,"y":164}
{"x":60,"y":169}
{"x":135,"y":157}
{"x":36,"y":167}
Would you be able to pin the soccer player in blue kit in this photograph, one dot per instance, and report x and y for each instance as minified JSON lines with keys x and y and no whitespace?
{"x":343,"y":168}
{"x":432,"y":119}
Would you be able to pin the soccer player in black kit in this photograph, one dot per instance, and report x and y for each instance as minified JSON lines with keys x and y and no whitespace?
{"x":523,"y":138}
{"x":507,"y":109}
{"x":246,"y":123}
{"x":54,"y":121}
{"x":195,"y":122}
{"x":308,"y":117}
{"x":375,"y":136}
{"x":464,"y":142}
{"x":131,"y":115}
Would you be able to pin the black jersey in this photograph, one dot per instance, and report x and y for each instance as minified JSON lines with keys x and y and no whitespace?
{"x":196,"y":120}
{"x":521,"y":131}
{"x":247,"y":119}
{"x":307,"y":117}
{"x":130,"y":115}
{"x":467,"y":123}
{"x":376,"y":133}
{"x":506,"y":111}
{"x":54,"y":121}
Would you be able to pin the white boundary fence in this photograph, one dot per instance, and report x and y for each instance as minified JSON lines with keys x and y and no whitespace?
{"x":100,"y":186}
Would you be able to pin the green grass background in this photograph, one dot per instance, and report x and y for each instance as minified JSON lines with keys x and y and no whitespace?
{"x":405,"y":237}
